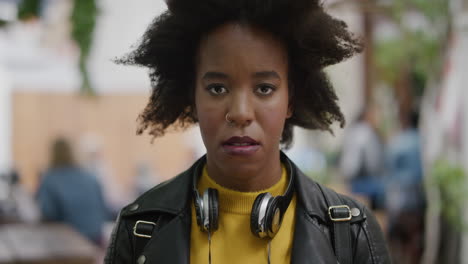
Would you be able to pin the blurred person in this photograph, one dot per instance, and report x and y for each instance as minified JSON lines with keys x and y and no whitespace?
{"x":92,"y":159}
{"x":247,"y":72}
{"x":362,"y":161}
{"x":405,"y":192}
{"x":17,"y":205}
{"x":145,"y":178}
{"x":71,"y":195}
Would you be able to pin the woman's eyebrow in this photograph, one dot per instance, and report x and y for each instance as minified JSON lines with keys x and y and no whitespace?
{"x":266,"y":74}
{"x":214,"y":75}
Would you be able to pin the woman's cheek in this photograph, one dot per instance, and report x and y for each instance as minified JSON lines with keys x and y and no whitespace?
{"x":209,"y":122}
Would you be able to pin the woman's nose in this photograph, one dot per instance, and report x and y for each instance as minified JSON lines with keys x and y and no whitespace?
{"x":241,"y":111}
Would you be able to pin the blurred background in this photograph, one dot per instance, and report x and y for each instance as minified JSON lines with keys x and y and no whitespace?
{"x":68,"y":126}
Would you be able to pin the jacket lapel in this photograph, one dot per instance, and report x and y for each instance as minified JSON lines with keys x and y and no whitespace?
{"x":171,"y":244}
{"x":310,"y":244}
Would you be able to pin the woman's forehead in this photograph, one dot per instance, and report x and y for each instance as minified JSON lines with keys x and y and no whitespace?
{"x":237,"y":45}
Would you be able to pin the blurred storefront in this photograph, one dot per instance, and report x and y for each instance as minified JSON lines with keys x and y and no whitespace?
{"x":43,"y":101}
{"x":445,"y":122}
{"x":40,"y":101}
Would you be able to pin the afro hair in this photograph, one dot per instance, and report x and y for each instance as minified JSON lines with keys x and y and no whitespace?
{"x":314,"y":40}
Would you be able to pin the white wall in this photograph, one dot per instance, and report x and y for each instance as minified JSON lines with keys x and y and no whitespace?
{"x":120,"y":26}
{"x":462,"y":29}
{"x":42,"y":57}
{"x":5,"y":119}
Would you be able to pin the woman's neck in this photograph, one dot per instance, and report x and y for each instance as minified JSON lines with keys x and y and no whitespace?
{"x":246,"y":178}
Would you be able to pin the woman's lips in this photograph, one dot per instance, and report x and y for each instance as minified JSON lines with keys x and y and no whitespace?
{"x":240,"y":146}
{"x":240,"y":149}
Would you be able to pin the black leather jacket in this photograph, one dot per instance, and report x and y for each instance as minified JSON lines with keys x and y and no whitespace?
{"x":169,"y":206}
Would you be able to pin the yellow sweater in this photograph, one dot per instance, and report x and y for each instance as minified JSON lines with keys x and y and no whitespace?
{"x":233,"y":242}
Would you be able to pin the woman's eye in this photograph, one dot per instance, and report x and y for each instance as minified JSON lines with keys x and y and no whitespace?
{"x":265,"y":89}
{"x":217,"y":89}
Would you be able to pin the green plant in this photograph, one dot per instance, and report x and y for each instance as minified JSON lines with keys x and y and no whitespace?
{"x":28,"y":9}
{"x":450,"y":181}
{"x":417,"y":53}
{"x":319,"y":176}
{"x":83,"y":20}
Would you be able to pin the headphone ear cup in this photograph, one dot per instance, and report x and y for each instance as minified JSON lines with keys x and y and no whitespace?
{"x":213,"y":209}
{"x":272,"y":220}
{"x":254,"y":215}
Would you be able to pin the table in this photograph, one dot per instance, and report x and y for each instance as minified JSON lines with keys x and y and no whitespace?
{"x":44,"y":244}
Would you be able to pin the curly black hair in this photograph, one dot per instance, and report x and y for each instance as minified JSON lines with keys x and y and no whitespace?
{"x":314,"y":40}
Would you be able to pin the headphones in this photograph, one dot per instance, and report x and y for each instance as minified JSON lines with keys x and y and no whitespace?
{"x":267,"y":210}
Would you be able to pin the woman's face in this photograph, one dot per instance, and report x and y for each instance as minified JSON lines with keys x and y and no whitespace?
{"x":241,"y":97}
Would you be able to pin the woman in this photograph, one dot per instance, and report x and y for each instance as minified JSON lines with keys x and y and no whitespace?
{"x":246,"y":71}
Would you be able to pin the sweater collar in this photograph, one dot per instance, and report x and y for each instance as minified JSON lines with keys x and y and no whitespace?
{"x":237,"y":202}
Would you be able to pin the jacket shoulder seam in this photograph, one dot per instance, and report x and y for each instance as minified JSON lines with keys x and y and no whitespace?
{"x":110,"y":257}
{"x":371,"y":243}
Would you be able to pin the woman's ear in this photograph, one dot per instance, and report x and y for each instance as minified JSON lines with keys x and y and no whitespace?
{"x":291,"y":93}
{"x":194,"y":112}
{"x":290,"y":111}
{"x":193,"y":105}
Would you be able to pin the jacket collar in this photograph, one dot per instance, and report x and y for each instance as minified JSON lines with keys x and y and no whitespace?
{"x":174,"y":196}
